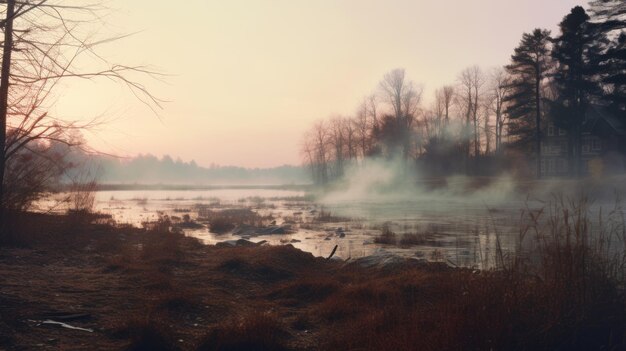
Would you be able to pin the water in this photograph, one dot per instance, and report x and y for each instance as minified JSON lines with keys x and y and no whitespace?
{"x":137,"y":206}
{"x":457,"y":230}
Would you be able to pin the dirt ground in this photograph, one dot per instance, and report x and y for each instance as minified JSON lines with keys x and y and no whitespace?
{"x":128,"y":289}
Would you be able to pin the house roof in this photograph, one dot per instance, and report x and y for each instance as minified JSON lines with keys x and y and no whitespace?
{"x":597,"y":115}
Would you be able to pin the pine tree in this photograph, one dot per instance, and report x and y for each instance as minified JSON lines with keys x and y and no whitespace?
{"x":608,"y":10}
{"x":613,"y":72}
{"x":528,"y":68}
{"x":609,"y":18}
{"x":576,"y":50}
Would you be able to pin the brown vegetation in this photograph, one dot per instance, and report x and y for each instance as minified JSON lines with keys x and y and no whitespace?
{"x":155,"y":290}
{"x":223,"y":221}
{"x":386,"y":236}
{"x":327,"y":217}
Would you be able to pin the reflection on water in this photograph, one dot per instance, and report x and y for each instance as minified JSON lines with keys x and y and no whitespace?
{"x":459,"y":232}
{"x":135,"y":207}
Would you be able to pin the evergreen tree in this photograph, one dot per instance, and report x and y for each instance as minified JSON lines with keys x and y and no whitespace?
{"x":576,"y":51}
{"x":528,"y":68}
{"x":613,"y":72}
{"x":608,"y":10}
{"x":609,"y":18}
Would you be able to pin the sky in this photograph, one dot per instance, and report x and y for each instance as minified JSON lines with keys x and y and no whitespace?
{"x":244,"y":79}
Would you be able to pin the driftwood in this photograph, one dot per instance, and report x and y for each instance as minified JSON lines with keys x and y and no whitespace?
{"x":332,"y":253}
{"x":67,"y":326}
{"x":62,"y":325}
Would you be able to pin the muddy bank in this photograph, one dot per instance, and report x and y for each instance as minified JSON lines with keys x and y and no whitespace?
{"x":76,"y":286}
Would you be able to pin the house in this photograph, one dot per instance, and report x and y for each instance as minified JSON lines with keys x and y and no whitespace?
{"x":603,"y":146}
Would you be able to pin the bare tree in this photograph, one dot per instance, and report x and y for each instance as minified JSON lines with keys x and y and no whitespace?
{"x":444,"y":97}
{"x":499,"y":88}
{"x":320,"y":146}
{"x":372,"y":110}
{"x":402,"y":94}
{"x":447,"y":96}
{"x":362,"y":125}
{"x":404,"y":98}
{"x":338,"y":142}
{"x":308,"y":153}
{"x":42,"y":47}
{"x":471,"y":81}
{"x":350,"y":134}
{"x":434,"y":120}
{"x":487,"y":132}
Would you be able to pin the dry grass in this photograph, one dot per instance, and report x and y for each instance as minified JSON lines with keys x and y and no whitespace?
{"x":146,"y":333}
{"x":386,"y":237}
{"x":412,"y":239}
{"x":327,"y":217}
{"x":306,"y":290}
{"x":568,"y":295}
{"x":261,"y":331}
{"x":223,"y":221}
{"x":152,"y":289}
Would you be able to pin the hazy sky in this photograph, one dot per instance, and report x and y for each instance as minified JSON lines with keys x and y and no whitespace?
{"x":247,"y":78}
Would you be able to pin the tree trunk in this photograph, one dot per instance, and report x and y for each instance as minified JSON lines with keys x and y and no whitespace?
{"x":487,"y":136}
{"x":4,"y":95}
{"x":538,"y":119}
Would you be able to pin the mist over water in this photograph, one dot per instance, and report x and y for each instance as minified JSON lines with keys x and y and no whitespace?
{"x":387,"y":181}
{"x":461,"y":217}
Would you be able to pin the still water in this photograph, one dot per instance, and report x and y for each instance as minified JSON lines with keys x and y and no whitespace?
{"x":460,"y":232}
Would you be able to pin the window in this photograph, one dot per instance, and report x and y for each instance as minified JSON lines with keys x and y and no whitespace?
{"x":550,"y":130}
{"x":551,"y":148}
{"x":562,"y":131}
{"x":596,"y":144}
{"x":543,"y":166}
{"x":586,"y":145}
{"x":562,"y":165}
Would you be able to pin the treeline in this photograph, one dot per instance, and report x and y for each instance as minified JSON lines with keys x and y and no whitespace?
{"x":57,"y":164}
{"x":149,"y":169}
{"x":489,"y":120}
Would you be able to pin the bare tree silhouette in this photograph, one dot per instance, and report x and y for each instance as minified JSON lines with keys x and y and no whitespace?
{"x":44,"y":42}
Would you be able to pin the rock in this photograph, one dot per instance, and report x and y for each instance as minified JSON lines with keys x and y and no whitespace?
{"x":245,"y":230}
{"x":240,"y":242}
{"x":380,"y":258}
{"x":296,"y":241}
{"x":387,"y":260}
{"x":188,"y":225}
{"x":274,"y":230}
{"x":227,"y":243}
{"x":250,"y":231}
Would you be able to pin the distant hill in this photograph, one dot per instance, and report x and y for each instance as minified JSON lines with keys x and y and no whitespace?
{"x":149,"y":169}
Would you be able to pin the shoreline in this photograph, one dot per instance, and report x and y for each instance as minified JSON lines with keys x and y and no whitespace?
{"x":156,"y":290}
